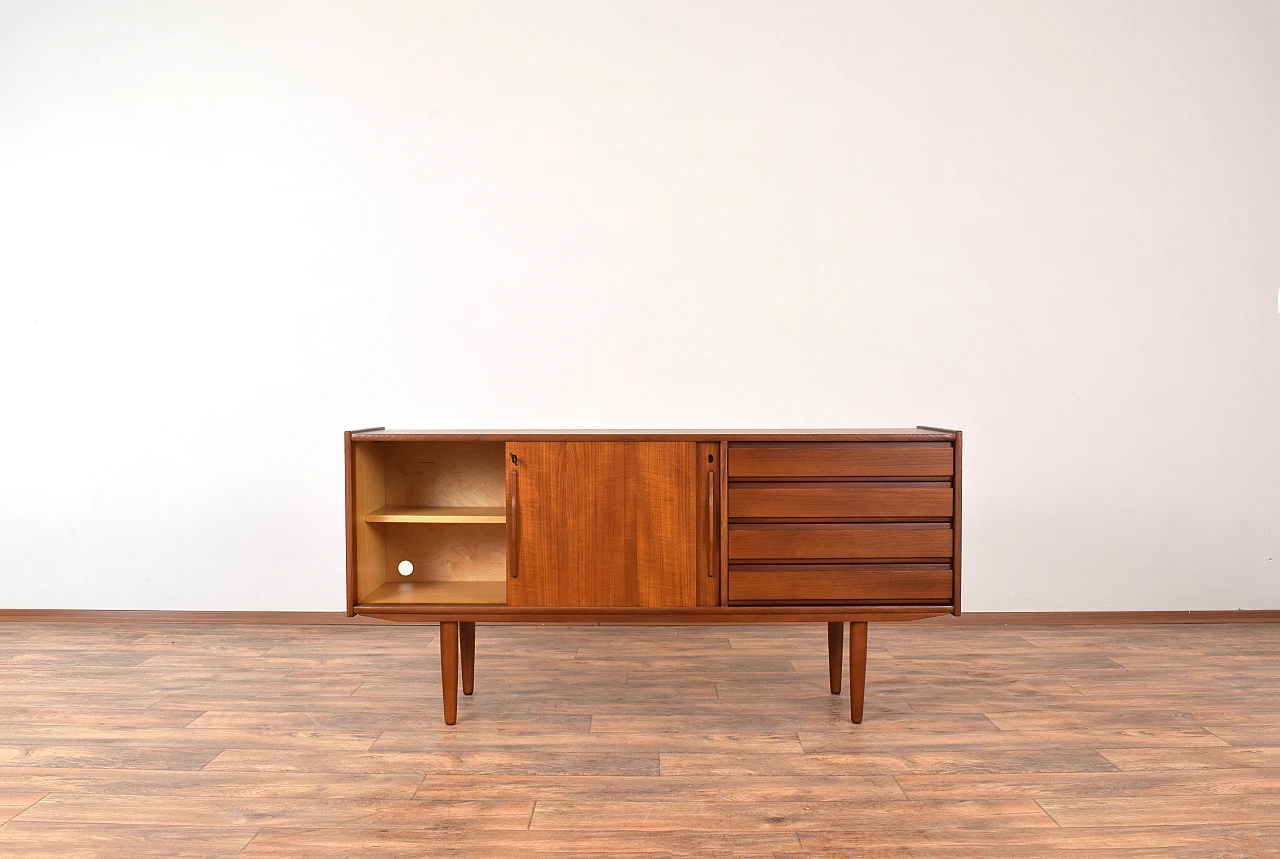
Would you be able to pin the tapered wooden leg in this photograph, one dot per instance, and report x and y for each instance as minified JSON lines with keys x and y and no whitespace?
{"x":467,"y":637}
{"x":857,"y":670}
{"x":449,"y":670}
{"x":835,"y":654}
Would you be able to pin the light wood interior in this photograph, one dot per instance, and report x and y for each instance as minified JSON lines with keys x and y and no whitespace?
{"x":445,"y":474}
{"x":369,"y":495}
{"x":433,"y":593}
{"x":477,"y":515}
{"x":447,"y":552}
{"x":439,"y":505}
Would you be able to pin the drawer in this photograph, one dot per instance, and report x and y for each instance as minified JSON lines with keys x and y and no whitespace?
{"x":800,"y":584}
{"x":838,"y":459}
{"x":839,"y":501}
{"x":887,"y":542}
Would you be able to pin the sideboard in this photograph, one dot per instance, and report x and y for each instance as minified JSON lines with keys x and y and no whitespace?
{"x":653,"y":526}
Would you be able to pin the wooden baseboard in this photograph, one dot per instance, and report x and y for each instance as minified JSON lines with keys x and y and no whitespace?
{"x":57,"y":615}
{"x":1105,"y":618}
{"x":975,"y":618}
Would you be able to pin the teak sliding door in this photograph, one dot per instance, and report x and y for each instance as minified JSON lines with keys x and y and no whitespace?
{"x":596,"y":523}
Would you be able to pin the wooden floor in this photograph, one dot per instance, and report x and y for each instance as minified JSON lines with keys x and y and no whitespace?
{"x":980,"y":741}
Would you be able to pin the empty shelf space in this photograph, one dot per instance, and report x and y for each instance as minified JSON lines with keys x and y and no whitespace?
{"x":439,"y":593}
{"x":484,"y":515}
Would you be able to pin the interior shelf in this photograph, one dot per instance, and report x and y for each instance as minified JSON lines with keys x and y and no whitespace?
{"x":491,"y":515}
{"x":439,"y":593}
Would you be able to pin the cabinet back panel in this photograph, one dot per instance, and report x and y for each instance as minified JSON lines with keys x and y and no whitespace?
{"x":444,"y":474}
{"x":446,"y":552}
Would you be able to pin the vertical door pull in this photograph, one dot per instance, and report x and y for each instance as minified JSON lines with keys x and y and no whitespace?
{"x":513,"y":522}
{"x":711,"y":524}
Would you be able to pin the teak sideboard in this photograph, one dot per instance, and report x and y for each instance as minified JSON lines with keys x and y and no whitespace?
{"x":653,"y":526}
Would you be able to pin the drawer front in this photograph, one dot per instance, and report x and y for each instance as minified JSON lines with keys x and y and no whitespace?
{"x":802,"y":584}
{"x":839,"y":501}
{"x":833,"y":460}
{"x":781,"y":542}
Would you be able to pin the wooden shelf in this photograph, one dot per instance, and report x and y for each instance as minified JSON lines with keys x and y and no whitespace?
{"x":439,"y":593}
{"x":482,"y":515}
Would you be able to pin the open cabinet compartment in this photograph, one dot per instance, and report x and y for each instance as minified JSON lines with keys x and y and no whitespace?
{"x":440,"y":505}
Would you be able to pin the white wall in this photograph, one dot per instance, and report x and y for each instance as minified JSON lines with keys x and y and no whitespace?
{"x":231,"y":230}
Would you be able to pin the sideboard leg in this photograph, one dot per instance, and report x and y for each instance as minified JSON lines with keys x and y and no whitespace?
{"x":835,"y":654}
{"x":449,"y":670}
{"x":857,"y":669}
{"x":467,"y":635}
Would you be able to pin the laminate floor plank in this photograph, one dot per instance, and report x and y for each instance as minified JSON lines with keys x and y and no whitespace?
{"x":208,"y":812}
{"x":525,"y":761}
{"x":106,"y":839}
{"x":579,"y":788}
{"x":220,"y":740}
{"x":415,"y":844}
{"x":20,"y":783}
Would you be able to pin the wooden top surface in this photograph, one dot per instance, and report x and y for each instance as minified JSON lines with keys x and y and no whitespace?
{"x":896,"y":434}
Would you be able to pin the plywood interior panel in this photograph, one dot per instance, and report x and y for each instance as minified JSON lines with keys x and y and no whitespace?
{"x":444,"y":474}
{"x":369,"y":486}
{"x":439,"y":593}
{"x":446,"y":552}
{"x":470,"y":515}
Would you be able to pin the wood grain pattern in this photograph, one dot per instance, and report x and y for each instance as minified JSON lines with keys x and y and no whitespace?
{"x":214,"y":740}
{"x":433,"y":593}
{"x":444,"y":474}
{"x":857,"y":671}
{"x":835,"y":654}
{"x":781,"y":542}
{"x":455,"y":515}
{"x":838,"y":502}
{"x":311,"y":618}
{"x":445,"y":552}
{"x":798,"y":584}
{"x":956,"y":522}
{"x":449,"y":670}
{"x":782,"y":460}
{"x":907,"y":434}
{"x":467,"y":646}
{"x":606,"y":524}
{"x":710,"y":540}
{"x":368,"y":493}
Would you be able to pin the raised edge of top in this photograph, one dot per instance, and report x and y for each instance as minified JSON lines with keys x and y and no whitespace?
{"x":879,"y":434}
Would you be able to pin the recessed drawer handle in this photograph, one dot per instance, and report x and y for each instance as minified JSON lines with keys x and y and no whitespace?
{"x":711,"y":524}
{"x":513,"y":521}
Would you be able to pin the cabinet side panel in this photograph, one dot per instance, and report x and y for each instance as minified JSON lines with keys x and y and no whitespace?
{"x":349,"y":491}
{"x":724,"y":523}
{"x":956,"y":526}
{"x":368,"y":489}
{"x":669,"y":495}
